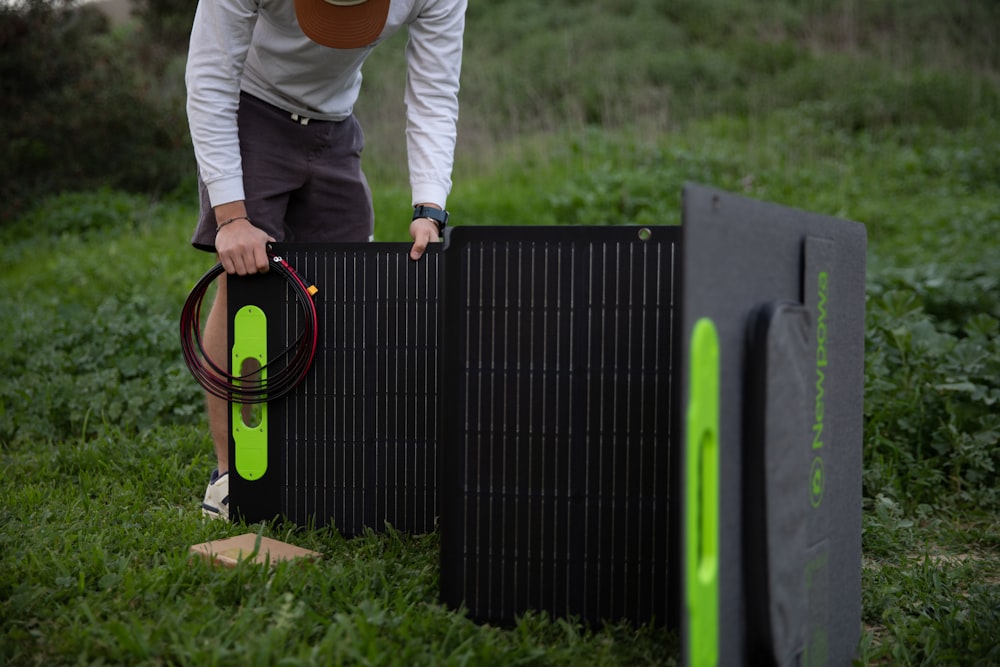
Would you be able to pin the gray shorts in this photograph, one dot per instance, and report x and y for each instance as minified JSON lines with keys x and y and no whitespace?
{"x":303,"y":183}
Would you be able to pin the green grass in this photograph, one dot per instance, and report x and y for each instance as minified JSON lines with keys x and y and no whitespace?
{"x":831,"y":107}
{"x":95,"y":538}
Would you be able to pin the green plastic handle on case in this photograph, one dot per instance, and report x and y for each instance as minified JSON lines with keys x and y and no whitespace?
{"x":250,"y":421}
{"x":701,"y":500}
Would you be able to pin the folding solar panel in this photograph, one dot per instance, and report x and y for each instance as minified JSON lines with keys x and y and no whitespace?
{"x":771,"y":377}
{"x":557,"y":396}
{"x":354,"y":445}
{"x":653,"y":424}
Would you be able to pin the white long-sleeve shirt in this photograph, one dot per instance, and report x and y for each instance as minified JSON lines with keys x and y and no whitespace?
{"x":257,"y":46}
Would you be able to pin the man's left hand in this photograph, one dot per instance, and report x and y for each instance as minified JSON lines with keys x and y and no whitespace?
{"x":423,"y":231}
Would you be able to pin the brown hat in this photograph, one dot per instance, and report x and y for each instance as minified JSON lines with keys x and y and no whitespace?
{"x":342,"y":24}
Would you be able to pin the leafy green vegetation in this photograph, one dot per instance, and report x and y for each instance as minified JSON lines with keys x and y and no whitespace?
{"x":84,"y":106}
{"x":573,"y":114}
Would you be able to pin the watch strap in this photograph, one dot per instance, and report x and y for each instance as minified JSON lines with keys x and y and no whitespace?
{"x":436,"y":214}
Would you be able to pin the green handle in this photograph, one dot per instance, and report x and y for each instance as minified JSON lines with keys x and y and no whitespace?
{"x":702,"y":497}
{"x":250,"y":421}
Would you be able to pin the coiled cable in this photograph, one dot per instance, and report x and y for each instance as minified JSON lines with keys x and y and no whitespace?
{"x":255,"y":387}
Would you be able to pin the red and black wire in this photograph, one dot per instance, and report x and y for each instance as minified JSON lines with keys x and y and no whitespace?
{"x":255,"y":387}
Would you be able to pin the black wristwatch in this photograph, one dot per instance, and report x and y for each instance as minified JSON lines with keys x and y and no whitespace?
{"x":437,"y":215}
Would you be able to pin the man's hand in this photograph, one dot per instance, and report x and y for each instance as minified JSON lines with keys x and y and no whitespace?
{"x":242,"y":248}
{"x":423,"y":231}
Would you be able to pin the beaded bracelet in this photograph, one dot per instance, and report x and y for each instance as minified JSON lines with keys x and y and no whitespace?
{"x":231,"y":220}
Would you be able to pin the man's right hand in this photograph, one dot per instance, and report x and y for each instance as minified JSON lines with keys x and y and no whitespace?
{"x":242,"y":248}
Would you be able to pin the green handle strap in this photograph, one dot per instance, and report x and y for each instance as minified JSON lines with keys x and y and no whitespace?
{"x":250,"y":421}
{"x":702,"y":497}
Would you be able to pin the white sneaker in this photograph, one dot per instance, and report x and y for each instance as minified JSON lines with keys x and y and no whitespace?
{"x":216,"y":503}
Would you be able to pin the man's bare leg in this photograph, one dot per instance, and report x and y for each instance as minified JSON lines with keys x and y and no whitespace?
{"x":215,"y":341}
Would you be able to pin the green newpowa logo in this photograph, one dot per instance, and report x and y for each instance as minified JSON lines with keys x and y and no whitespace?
{"x":817,"y":473}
